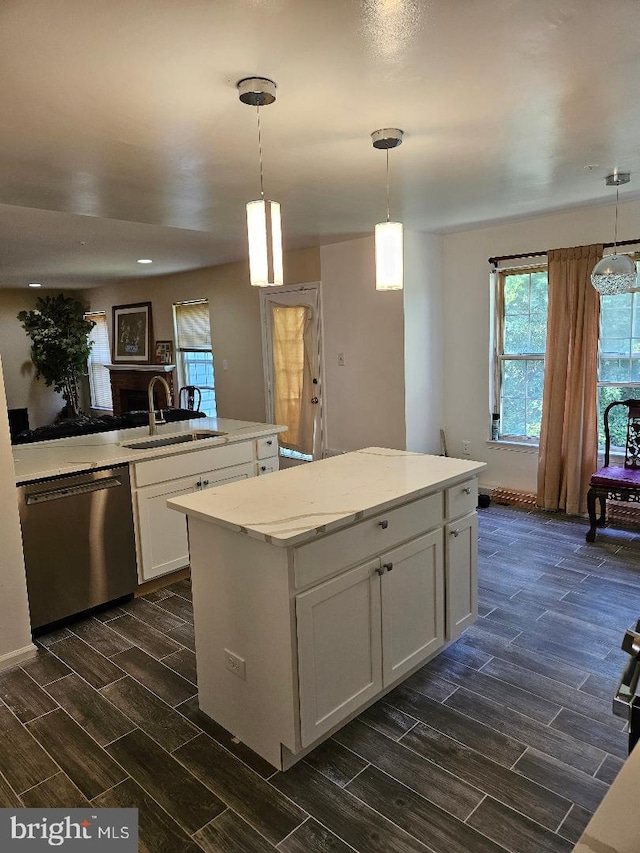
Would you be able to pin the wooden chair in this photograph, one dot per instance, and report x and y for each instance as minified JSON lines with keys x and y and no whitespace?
{"x":615,"y":482}
{"x":192,"y":397}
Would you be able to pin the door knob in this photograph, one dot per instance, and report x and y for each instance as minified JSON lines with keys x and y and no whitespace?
{"x":314,"y":399}
{"x":455,"y":533}
{"x":199,"y":484}
{"x":387,"y":566}
{"x":205,"y":482}
{"x":380,"y":570}
{"x":383,"y":524}
{"x":467,"y":491}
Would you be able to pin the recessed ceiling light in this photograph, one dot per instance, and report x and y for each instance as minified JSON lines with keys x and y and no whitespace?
{"x":145,"y":261}
{"x":35,"y":284}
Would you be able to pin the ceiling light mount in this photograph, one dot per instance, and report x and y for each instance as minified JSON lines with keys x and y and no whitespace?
{"x":387,"y":137}
{"x":616,"y":178}
{"x":256,"y":91}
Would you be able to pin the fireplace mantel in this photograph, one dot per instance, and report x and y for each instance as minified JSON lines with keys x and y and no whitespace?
{"x":130,"y":383}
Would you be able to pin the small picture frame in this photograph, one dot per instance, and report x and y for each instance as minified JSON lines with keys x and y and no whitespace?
{"x":164,"y":352}
{"x":132,"y":333}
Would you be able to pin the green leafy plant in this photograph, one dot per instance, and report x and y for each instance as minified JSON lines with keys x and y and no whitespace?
{"x":60,"y":345}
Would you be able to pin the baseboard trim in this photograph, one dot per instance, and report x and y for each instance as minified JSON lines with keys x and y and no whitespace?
{"x":18,"y":656}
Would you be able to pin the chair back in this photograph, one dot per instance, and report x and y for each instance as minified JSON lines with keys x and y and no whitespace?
{"x":632,"y":443}
{"x":190,"y":397}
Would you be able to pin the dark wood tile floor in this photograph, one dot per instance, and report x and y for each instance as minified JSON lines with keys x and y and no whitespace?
{"x":504,"y":742}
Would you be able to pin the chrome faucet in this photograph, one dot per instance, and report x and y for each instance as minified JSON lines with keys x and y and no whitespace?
{"x":153,"y":421}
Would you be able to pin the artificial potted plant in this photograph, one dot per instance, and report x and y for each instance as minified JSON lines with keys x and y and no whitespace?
{"x":60,"y":346}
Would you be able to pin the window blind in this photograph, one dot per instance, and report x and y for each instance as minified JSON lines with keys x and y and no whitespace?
{"x":99,"y":378}
{"x":193,"y":328}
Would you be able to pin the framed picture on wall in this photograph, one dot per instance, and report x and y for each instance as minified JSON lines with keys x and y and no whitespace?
{"x":164,"y":352}
{"x":132,"y":333}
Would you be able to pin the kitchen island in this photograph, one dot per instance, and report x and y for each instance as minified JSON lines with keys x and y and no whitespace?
{"x":319,"y":588}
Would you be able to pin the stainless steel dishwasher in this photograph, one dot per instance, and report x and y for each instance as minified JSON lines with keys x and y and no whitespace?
{"x":78,"y":541}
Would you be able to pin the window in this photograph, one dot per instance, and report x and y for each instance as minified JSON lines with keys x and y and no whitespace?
{"x":99,"y":378}
{"x":520,"y":348}
{"x":619,"y":361}
{"x":194,"y":351}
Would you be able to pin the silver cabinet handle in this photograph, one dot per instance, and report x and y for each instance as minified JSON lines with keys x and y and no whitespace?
{"x":467,"y":490}
{"x":383,"y":524}
{"x":387,"y":566}
{"x":199,"y":484}
{"x":205,"y":482}
{"x":269,"y":442}
{"x":455,"y":533}
{"x":380,"y":570}
{"x":263,"y":467}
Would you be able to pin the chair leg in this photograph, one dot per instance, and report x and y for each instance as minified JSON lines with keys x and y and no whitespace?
{"x":603,"y":510}
{"x":591,"y":506}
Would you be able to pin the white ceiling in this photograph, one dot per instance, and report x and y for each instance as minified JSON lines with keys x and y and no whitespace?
{"x":123,"y":137}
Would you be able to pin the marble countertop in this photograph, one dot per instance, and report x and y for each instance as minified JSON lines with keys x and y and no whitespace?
{"x":296,"y":504}
{"x":613,"y":827}
{"x":43,"y":459}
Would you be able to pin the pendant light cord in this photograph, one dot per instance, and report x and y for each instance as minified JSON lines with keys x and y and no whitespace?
{"x":260,"y":153}
{"x":387,"y":150}
{"x":615,"y":232}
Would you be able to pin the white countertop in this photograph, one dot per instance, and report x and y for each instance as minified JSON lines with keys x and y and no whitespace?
{"x":294,"y":505}
{"x":42,"y":459}
{"x":614,"y":828}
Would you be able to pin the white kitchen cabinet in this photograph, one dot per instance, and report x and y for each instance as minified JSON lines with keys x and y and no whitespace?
{"x":307,"y":612}
{"x":362,"y":630}
{"x":161,"y":535}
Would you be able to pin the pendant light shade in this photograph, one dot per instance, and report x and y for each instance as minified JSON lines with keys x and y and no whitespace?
{"x":264,"y":225}
{"x":389,"y":256}
{"x":389,"y":237}
{"x":615,"y":273}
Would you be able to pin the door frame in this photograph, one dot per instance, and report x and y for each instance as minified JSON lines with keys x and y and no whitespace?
{"x":319,"y":443}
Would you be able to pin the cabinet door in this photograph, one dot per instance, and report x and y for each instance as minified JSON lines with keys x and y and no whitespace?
{"x":339,"y":651}
{"x":162,"y":532}
{"x":412,"y":604}
{"x":461,"y":560}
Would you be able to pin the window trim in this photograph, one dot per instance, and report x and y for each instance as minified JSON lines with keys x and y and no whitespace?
{"x":499,"y":356}
{"x":182,"y":350}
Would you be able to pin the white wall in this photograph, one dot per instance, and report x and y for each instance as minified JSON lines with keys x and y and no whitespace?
{"x":467,"y":323}
{"x":364,"y":399}
{"x":423,"y":341}
{"x":15,"y":628}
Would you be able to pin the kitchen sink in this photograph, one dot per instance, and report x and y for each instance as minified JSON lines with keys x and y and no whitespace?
{"x":165,"y":440}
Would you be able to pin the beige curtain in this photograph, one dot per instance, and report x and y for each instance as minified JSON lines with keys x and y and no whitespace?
{"x":569,"y":431}
{"x":292,"y":375}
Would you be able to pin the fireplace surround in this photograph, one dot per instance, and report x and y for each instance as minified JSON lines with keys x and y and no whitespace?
{"x":130,"y":383}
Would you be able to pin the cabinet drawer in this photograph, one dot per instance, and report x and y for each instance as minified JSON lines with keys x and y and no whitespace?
{"x":266,"y":466}
{"x":462,"y":498}
{"x":188,"y":464}
{"x":267,"y":446}
{"x":338,"y":551}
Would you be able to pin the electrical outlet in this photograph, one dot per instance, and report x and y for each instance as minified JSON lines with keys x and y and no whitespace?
{"x":341,"y":359}
{"x":225,"y":364}
{"x":466,"y":447}
{"x":235,"y":664}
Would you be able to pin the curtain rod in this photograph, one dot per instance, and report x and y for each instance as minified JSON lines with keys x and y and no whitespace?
{"x":495,"y":261}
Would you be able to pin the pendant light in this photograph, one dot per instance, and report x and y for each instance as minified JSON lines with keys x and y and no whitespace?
{"x":389,"y":239}
{"x":615,"y":273}
{"x":264,"y":225}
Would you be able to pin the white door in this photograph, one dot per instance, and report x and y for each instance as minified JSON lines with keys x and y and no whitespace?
{"x":339,"y":652}
{"x":298,"y":366}
{"x":412,"y":605}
